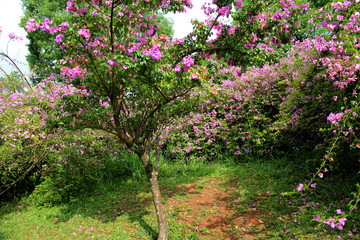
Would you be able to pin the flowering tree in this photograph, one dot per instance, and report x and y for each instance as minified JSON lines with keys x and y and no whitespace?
{"x":132,"y":80}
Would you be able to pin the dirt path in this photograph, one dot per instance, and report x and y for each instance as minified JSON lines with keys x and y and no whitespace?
{"x":210,"y":212}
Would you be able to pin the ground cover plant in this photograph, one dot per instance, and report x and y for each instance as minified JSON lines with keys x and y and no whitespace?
{"x":264,"y":84}
{"x":223,"y":200}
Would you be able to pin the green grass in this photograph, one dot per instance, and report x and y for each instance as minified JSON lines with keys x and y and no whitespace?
{"x":251,"y":192}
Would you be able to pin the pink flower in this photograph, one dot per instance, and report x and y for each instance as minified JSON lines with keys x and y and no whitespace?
{"x":342,"y":221}
{"x":188,"y":61}
{"x":55,"y":29}
{"x":154,"y":52}
{"x":331,"y":222}
{"x":224,"y":10}
{"x":300,"y":187}
{"x":177,"y":68}
{"x":45,"y":26}
{"x":333,"y":118}
{"x":313,"y":185}
{"x":231,"y":30}
{"x":321,"y":175}
{"x":339,"y":115}
{"x":194,"y":75}
{"x":31,"y":25}
{"x":239,"y":4}
{"x":83,"y":11}
{"x":253,"y":38}
{"x":71,"y":6}
{"x":14,"y":37}
{"x":64,"y":25}
{"x":338,"y":211}
{"x":58,"y":38}
{"x":262,"y":15}
{"x":84,"y":33}
{"x":111,"y":62}
{"x":318,"y":218}
{"x":339,"y":226}
{"x":157,"y":54}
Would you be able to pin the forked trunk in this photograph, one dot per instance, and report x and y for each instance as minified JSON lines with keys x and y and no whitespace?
{"x":159,"y":207}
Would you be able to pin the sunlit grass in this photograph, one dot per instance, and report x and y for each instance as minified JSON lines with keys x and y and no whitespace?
{"x":121,"y":208}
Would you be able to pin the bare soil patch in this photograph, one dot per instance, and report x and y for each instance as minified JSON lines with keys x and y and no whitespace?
{"x":209,"y":212}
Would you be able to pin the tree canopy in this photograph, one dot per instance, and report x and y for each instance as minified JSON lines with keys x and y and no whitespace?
{"x":43,"y":53}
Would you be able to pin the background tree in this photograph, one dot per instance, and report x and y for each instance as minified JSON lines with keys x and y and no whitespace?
{"x":269,"y":11}
{"x":43,"y":53}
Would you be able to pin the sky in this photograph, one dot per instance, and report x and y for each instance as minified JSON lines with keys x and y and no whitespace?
{"x":11,"y":12}
{"x":182,"y":24}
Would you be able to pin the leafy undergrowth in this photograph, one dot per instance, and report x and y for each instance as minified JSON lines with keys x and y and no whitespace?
{"x":202,"y":200}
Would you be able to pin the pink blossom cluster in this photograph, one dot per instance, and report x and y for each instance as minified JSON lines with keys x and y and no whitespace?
{"x":84,"y":33}
{"x":71,"y":73}
{"x":13,"y":36}
{"x":334,"y":118}
{"x":188,"y":61}
{"x":334,"y":223}
{"x":32,"y":25}
{"x":71,"y":6}
{"x":154,"y":52}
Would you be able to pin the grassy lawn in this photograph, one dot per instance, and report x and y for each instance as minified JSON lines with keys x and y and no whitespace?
{"x":203,"y":201}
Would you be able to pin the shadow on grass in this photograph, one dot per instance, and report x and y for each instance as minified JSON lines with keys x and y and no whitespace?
{"x":128,"y":202}
{"x":139,"y":218}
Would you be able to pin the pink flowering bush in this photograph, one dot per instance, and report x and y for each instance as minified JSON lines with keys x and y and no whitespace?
{"x":308,"y":101}
{"x":232,"y":118}
{"x":32,"y":148}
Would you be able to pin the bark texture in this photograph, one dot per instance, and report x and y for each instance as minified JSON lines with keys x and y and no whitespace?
{"x":159,"y":207}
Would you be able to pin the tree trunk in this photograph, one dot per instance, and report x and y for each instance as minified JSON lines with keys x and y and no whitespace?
{"x":159,"y":207}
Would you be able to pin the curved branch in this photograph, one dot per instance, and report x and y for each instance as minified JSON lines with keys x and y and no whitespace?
{"x":27,"y":171}
{"x":15,"y":65}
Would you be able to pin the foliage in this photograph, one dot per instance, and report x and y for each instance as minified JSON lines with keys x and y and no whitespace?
{"x":11,"y":83}
{"x":288,"y":106}
{"x":282,"y":87}
{"x":119,"y":208}
{"x":30,"y":152}
{"x":308,"y":101}
{"x":145,"y":82}
{"x":44,"y":54}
